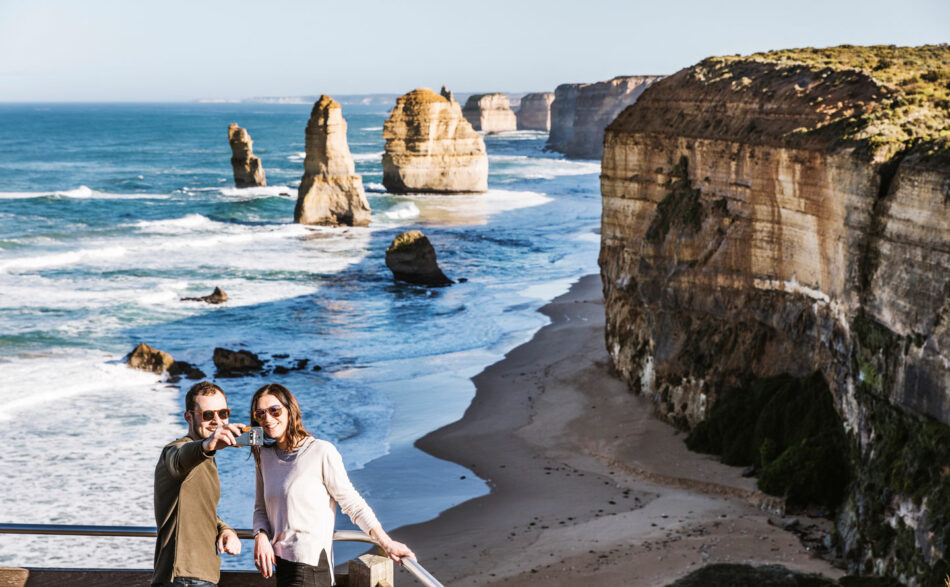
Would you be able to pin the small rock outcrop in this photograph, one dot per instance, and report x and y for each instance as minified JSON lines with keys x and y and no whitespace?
{"x":216,"y":297}
{"x":535,"y":111}
{"x":447,"y":94}
{"x":490,"y":113}
{"x":431,"y":148}
{"x":236,"y":363}
{"x":247,"y":168}
{"x":330,"y":191}
{"x":591,"y":109}
{"x":147,"y":358}
{"x":411,"y":258}
{"x":562,"y":116}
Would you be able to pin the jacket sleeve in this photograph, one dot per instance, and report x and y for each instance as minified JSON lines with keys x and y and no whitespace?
{"x":222,"y":526}
{"x":342,"y":491}
{"x":181,"y":457}
{"x":261,"y":520}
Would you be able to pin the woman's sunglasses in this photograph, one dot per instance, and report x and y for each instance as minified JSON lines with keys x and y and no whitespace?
{"x":208,"y":415}
{"x":274,"y":411}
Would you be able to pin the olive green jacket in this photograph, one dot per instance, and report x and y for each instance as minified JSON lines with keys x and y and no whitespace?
{"x":187,"y":491}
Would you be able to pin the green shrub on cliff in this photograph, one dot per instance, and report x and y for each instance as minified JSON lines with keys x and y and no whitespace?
{"x":911,"y":112}
{"x":788,"y":428}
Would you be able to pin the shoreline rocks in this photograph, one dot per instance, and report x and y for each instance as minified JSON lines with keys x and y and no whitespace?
{"x":412,"y":259}
{"x":147,"y":358}
{"x":431,"y":148}
{"x":330,"y":191}
{"x":535,"y":111}
{"x":490,"y":113}
{"x":236,"y":363}
{"x":216,"y":297}
{"x":247,"y":168}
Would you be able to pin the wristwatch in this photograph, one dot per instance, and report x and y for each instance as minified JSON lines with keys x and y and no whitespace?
{"x":258,"y":531}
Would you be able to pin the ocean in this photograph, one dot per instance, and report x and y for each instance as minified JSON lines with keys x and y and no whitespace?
{"x":110,"y":213}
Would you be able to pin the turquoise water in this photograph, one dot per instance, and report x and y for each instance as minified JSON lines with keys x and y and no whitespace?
{"x":109,"y":214}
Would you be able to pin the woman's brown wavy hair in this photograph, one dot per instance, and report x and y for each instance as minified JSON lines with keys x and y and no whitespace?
{"x":295,"y":433}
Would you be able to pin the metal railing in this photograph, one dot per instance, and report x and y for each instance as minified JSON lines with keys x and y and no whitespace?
{"x":413,"y":566}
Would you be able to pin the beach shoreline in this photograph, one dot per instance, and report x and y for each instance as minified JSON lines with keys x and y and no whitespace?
{"x":585,"y":482}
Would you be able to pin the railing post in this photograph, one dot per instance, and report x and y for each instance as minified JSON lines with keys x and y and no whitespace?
{"x":371,"y":570}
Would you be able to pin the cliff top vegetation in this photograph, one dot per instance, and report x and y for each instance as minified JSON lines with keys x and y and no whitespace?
{"x":911,"y":112}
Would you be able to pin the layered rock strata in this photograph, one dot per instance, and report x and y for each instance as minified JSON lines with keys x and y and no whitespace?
{"x":490,"y":113}
{"x":412,"y":259}
{"x":581,"y":112}
{"x":786,"y":213}
{"x":247,"y":168}
{"x":330,"y":191}
{"x":431,"y":148}
{"x":535,"y":111}
{"x":563,"y":109}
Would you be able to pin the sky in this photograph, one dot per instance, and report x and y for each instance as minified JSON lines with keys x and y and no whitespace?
{"x":183,"y":50}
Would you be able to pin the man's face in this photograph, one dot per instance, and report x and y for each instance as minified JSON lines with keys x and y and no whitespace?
{"x":198,"y":427}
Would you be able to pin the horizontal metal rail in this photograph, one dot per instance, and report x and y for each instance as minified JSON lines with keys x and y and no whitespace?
{"x":413,"y":566}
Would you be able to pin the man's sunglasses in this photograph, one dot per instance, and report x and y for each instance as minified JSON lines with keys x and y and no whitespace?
{"x":208,"y":415}
{"x":274,"y":411}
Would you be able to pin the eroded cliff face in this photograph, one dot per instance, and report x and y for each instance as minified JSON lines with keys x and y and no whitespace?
{"x":535,"y":111}
{"x":562,"y":116}
{"x":769,"y":215}
{"x":430,"y":147}
{"x":597,"y":106}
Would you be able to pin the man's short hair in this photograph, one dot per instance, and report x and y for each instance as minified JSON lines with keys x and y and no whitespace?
{"x":201,"y":388}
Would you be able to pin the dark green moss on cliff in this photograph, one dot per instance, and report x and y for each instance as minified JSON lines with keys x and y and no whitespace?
{"x":680,"y":207}
{"x":788,"y":428}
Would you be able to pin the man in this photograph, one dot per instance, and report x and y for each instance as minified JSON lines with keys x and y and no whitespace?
{"x":187,"y":491}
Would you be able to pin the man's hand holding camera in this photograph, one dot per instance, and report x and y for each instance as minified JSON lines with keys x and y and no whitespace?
{"x":222,"y":436}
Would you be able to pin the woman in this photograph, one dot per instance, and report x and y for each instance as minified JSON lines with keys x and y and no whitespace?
{"x":300,"y":480}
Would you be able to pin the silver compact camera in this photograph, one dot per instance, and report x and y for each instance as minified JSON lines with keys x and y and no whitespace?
{"x":250,"y":436}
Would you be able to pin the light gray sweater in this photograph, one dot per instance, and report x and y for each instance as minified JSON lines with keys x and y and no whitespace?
{"x":296,"y":498}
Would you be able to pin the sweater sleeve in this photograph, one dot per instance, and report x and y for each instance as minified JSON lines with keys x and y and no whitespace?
{"x":260,"y":506}
{"x":181,"y":457}
{"x":342,"y":491}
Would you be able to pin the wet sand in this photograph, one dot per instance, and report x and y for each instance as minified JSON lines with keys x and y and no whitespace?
{"x":586,"y":485}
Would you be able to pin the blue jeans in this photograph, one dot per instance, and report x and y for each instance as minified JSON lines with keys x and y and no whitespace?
{"x":185,"y":582}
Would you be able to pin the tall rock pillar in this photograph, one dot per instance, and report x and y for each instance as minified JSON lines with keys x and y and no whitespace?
{"x":330,"y":191}
{"x":247,"y":168}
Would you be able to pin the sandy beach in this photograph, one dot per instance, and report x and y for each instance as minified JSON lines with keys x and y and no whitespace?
{"x":586,"y":485}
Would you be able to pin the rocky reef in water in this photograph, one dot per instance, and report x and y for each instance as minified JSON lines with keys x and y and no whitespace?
{"x":490,"y":113}
{"x":330,"y":191}
{"x":247,"y":168}
{"x":581,"y":112}
{"x":775,"y":257}
{"x":431,"y":148}
{"x":535,"y":111}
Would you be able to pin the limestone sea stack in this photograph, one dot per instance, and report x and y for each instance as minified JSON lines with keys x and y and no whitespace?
{"x":775,"y":246}
{"x":411,"y":258}
{"x":431,"y":148}
{"x":562,"y":116}
{"x":490,"y":113}
{"x":247,"y":168}
{"x":330,"y":191}
{"x":535,"y":111}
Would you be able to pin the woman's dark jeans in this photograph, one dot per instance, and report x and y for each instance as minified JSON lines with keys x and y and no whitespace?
{"x":185,"y":582}
{"x":291,"y":574}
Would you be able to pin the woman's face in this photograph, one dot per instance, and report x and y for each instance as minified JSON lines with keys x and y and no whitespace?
{"x":272,"y":416}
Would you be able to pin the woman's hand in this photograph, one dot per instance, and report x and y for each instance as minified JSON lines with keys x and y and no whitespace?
{"x":264,"y":558}
{"x":394,"y":550}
